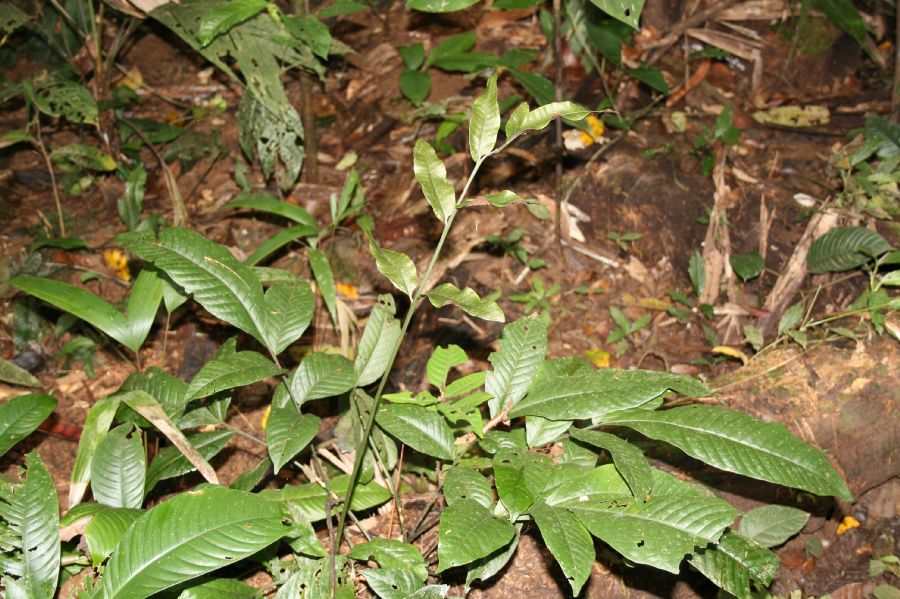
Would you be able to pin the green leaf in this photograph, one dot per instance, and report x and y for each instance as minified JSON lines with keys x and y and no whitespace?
{"x":485,"y":123}
{"x":290,"y":308}
{"x":466,"y":483}
{"x":520,"y":477}
{"x":188,"y":536}
{"x":697,"y":272}
{"x":77,"y":157}
{"x":308,"y":500}
{"x":455,"y":44}
{"x":119,"y":468}
{"x":467,"y":300}
{"x":627,"y":11}
{"x":422,"y":429}
{"x":11,"y":18}
{"x":504,"y":198}
{"x":230,"y":371}
{"x":598,"y":393}
{"x":396,"y":266}
{"x":219,"y":588}
{"x":226,"y":288}
{"x":65,"y":98}
{"x":80,"y":303}
{"x":129,"y":205}
{"x":772,"y":525}
{"x":288,"y":432}
{"x":431,"y":174}
{"x":457,"y":545}
{"x":415,"y":85}
{"x":264,"y":202}
{"x":311,"y":32}
{"x":278,"y":241}
{"x":21,"y":415}
{"x":105,"y":530}
{"x":525,"y":120}
{"x":845,"y":248}
{"x":30,"y":510}
{"x":440,"y":6}
{"x":170,"y":392}
{"x":10,"y":373}
{"x":321,"y":269}
{"x":792,"y":317}
{"x":541,"y":431}
{"x":441,"y":361}
{"x":845,"y":15}
{"x":737,"y":443}
{"x":391,"y":554}
{"x":225,"y":16}
{"x":378,"y":343}
{"x":734,"y":561}
{"x":747,"y":266}
{"x":522,"y":348}
{"x":389,"y":583}
{"x":485,"y":568}
{"x":628,"y":459}
{"x":651,"y":77}
{"x":96,"y":425}
{"x":659,"y":532}
{"x":170,"y":462}
{"x":321,"y":375}
{"x":413,"y":55}
{"x":569,"y":542}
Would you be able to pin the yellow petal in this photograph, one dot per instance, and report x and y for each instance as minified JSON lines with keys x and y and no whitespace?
{"x":846,"y":524}
{"x":118,"y":262}
{"x":730,"y":352}
{"x":265,"y":417}
{"x":598,"y":357}
{"x":347,"y":290}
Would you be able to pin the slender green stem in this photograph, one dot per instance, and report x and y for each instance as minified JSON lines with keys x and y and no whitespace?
{"x":417,"y":296}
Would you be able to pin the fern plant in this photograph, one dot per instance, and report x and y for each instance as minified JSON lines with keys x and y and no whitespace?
{"x":602,"y":487}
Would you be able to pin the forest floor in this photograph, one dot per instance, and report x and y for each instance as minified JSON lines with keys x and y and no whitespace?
{"x":839,"y":395}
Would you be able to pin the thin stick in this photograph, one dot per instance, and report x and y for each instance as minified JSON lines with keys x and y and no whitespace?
{"x":39,"y":142}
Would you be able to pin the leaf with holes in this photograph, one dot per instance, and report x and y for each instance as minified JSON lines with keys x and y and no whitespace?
{"x":466,"y":300}
{"x":119,"y":469}
{"x":597,"y":393}
{"x":844,"y":248}
{"x":737,"y":443}
{"x":467,"y":483}
{"x":627,"y":11}
{"x":288,"y":432}
{"x":523,"y":345}
{"x":21,"y":415}
{"x":391,"y":554}
{"x":30,"y":510}
{"x":233,"y":370}
{"x":187,"y":536}
{"x":659,"y":532}
{"x":520,"y":477}
{"x":734,"y":561}
{"x":422,"y":429}
{"x":457,"y":545}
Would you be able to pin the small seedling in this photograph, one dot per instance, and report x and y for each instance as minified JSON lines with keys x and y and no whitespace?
{"x":626,"y":327}
{"x":538,"y":298}
{"x":624,"y":240}
{"x":511,"y":246}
